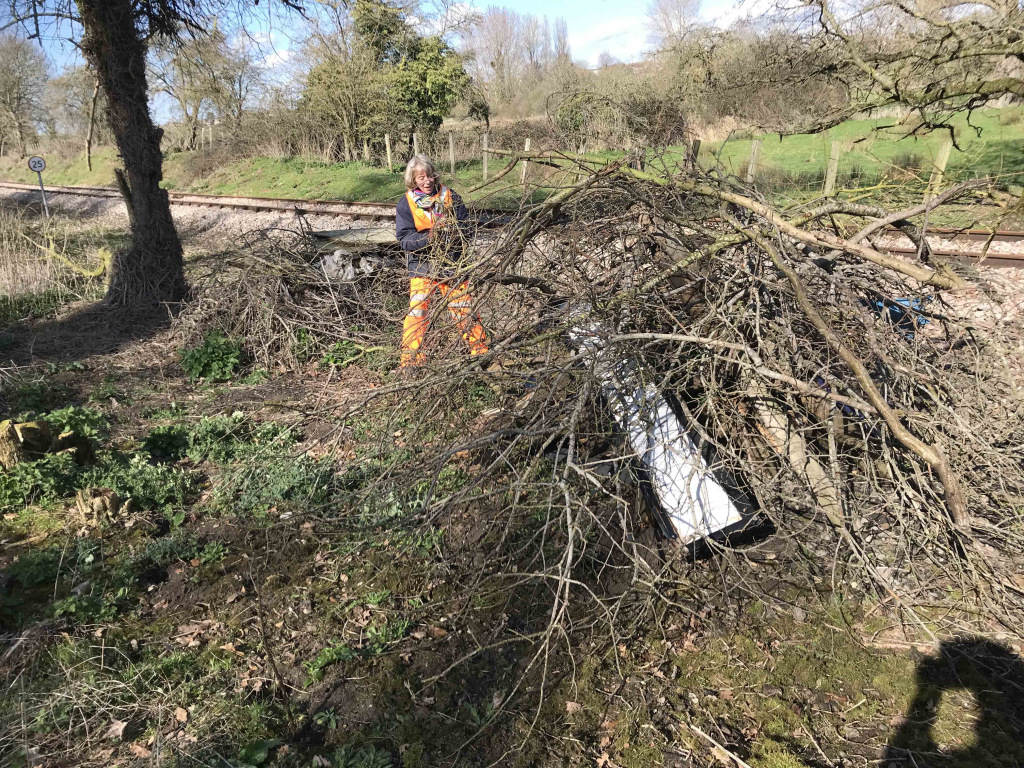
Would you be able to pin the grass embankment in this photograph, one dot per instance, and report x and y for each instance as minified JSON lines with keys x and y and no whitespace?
{"x":991,"y":143}
{"x":275,"y":177}
{"x":275,"y":592}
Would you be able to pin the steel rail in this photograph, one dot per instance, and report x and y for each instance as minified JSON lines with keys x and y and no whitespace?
{"x":350,"y":209}
{"x":358,"y":210}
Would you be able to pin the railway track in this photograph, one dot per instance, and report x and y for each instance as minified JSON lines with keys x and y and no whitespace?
{"x":353,"y":210}
{"x":972,"y":239}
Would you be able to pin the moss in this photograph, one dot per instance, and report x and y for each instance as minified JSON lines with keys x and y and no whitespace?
{"x":768,"y":753}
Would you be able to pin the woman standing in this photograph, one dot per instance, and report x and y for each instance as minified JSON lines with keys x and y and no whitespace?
{"x":427,"y":227}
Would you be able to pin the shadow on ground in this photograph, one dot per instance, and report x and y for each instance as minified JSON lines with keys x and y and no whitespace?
{"x":85,"y":330}
{"x":995,"y":676}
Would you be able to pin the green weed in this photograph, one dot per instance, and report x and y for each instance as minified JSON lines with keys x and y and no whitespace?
{"x":256,"y":753}
{"x":378,"y":637}
{"x":341,"y":354}
{"x":43,"y":481}
{"x":222,"y":439}
{"x":326,"y":718}
{"x":169,"y":413}
{"x":218,"y":439}
{"x":37,"y":396}
{"x":86,"y":422}
{"x":178,"y":547}
{"x":107,"y":389}
{"x":377,"y":597}
{"x":216,"y":359}
{"x":363,"y":757}
{"x":257,"y":377}
{"x":167,"y":442}
{"x":327,"y":657}
{"x":30,"y":306}
{"x":213,"y":553}
{"x":150,"y":486}
{"x":257,"y":486}
{"x":73,"y":366}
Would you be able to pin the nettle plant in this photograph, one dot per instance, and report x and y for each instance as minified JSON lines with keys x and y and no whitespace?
{"x":218,"y":358}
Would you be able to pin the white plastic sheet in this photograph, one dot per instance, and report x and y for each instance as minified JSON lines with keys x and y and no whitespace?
{"x":681,"y":480}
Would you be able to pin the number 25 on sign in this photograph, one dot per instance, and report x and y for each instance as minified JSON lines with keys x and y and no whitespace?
{"x":38,"y":165}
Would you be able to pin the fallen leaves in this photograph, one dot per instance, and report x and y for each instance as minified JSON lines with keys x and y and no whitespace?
{"x":230,"y":648}
{"x":140,"y":751}
{"x":189,"y":634}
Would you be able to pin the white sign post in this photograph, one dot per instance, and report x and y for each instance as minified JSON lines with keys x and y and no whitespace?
{"x":38,"y":165}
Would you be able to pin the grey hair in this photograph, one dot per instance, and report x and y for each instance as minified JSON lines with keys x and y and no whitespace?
{"x":417,"y":163}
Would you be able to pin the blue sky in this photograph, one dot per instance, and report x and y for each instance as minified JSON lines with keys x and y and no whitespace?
{"x":616,"y":26}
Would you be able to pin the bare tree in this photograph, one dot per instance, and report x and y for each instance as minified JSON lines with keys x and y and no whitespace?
{"x":498,"y":49}
{"x":536,"y":44}
{"x":23,"y":73}
{"x":69,"y":100}
{"x":511,"y":54}
{"x":560,"y":43}
{"x":114,"y":36}
{"x":240,"y":79}
{"x":187,"y":67}
{"x":936,"y":58}
{"x":671,"y":22}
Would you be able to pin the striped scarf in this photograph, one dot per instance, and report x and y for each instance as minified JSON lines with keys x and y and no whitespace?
{"x":433,"y":204}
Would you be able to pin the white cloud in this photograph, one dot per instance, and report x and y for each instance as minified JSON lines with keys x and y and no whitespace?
{"x":722,"y":13}
{"x":277,"y":59}
{"x":624,"y":37}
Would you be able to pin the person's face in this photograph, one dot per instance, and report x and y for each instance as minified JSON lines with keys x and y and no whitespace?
{"x":424,"y":182}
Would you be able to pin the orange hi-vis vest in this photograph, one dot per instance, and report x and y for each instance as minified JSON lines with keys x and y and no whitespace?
{"x":425,"y":219}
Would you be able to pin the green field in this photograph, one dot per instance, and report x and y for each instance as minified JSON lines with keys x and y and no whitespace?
{"x":273,"y":177}
{"x":991,"y":144}
{"x":875,"y":152}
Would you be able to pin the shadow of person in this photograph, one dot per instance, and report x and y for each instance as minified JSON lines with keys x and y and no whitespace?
{"x":995,"y":676}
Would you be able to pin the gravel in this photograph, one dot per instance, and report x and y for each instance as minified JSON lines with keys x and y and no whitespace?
{"x":196,"y":225}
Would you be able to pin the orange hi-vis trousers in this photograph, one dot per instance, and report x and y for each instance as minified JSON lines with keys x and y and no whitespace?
{"x":459,"y":302}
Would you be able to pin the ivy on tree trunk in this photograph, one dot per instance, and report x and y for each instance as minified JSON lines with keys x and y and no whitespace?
{"x":150,"y":270}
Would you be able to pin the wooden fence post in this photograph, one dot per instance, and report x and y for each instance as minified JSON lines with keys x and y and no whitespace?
{"x":484,"y":153}
{"x":415,"y":143}
{"x":833,"y":169}
{"x":581,"y":153}
{"x":387,"y":146}
{"x":526,"y":165}
{"x":366,"y":151}
{"x":938,"y":170}
{"x":451,"y":150}
{"x":691,"y":158}
{"x":755,"y":152}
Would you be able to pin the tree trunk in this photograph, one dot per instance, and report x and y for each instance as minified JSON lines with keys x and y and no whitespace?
{"x":19,"y":134}
{"x":150,"y":270}
{"x":92,"y":124}
{"x":190,"y":142}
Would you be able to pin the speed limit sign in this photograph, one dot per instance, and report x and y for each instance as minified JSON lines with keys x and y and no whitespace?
{"x":37,"y":164}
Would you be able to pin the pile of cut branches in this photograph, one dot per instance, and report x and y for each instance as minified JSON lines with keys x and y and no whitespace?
{"x":830,"y":381}
{"x":273,"y":292}
{"x":831,"y":378}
